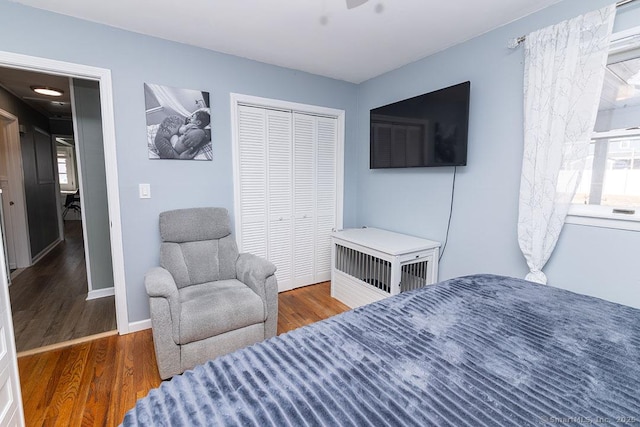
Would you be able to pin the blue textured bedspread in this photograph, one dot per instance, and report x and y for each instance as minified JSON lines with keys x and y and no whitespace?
{"x":478,"y":350}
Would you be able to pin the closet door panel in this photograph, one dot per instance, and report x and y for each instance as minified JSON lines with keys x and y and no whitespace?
{"x":324,"y":227}
{"x":304,"y":141}
{"x":304,"y":164}
{"x":304,"y":252}
{"x":280,"y":200}
{"x":326,"y":131}
{"x":280,"y":252}
{"x":287,"y":191}
{"x":252,"y":180}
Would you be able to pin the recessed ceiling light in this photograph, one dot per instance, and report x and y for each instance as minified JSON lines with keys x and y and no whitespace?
{"x":45,"y":90}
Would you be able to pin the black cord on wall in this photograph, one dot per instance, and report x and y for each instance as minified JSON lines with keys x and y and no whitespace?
{"x":453,"y":190}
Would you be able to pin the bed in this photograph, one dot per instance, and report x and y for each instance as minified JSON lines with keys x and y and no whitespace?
{"x":476,"y":350}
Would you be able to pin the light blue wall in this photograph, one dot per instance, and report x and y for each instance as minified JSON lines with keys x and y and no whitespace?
{"x":135,"y":59}
{"x":483,"y":232}
{"x":483,"y":235}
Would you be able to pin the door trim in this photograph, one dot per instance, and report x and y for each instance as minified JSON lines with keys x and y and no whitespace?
{"x":103,"y":76}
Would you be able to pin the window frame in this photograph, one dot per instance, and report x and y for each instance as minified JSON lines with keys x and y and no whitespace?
{"x":69,"y":156}
{"x":604,"y":216}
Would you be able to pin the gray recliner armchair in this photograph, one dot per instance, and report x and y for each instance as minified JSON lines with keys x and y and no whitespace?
{"x":206,"y":299}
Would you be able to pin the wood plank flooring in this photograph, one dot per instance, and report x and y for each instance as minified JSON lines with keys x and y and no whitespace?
{"x":48,"y":299}
{"x":97,"y":382}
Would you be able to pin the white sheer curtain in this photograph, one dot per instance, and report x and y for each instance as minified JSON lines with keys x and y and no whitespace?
{"x":564,"y":71}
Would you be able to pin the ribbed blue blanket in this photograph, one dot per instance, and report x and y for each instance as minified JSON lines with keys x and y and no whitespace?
{"x":472,"y":351}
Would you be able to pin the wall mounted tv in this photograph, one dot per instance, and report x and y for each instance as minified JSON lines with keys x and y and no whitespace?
{"x":423,"y":131}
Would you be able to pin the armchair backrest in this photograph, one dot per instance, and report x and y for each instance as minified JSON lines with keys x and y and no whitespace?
{"x":197,"y":245}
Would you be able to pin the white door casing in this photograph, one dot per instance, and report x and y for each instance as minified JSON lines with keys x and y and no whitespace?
{"x":102,"y":75}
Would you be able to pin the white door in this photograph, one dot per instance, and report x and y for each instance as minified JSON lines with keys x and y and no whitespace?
{"x":304,"y":194}
{"x":10,"y":399}
{"x":279,"y":201}
{"x":327,"y":135}
{"x":12,"y":184}
{"x":286,"y":185}
{"x":252,"y":227}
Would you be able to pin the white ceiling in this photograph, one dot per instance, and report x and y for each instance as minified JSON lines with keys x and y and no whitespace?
{"x":318,"y":36}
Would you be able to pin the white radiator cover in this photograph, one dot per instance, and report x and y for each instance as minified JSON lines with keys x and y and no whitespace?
{"x":369,"y":264}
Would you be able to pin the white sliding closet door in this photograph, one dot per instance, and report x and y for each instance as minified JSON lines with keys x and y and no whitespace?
{"x":287,"y":191}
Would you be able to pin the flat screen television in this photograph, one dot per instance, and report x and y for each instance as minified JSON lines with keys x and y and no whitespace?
{"x":423,"y":131}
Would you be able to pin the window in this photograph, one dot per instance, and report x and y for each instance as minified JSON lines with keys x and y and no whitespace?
{"x":66,"y":168}
{"x":608,"y":193}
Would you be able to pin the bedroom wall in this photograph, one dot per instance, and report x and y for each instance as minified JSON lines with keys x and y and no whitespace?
{"x":136,"y":59}
{"x":483,"y":236}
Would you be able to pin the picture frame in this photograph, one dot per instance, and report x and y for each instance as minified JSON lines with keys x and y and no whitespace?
{"x":178,"y":123}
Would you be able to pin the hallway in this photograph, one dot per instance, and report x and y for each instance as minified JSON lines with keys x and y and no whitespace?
{"x":48,"y":299}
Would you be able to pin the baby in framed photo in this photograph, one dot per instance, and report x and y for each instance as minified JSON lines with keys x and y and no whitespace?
{"x":198,"y":120}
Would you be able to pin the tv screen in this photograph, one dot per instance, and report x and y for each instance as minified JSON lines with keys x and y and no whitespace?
{"x":423,"y":131}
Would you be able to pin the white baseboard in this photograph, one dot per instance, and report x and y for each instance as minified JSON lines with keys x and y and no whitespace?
{"x":101,"y":293}
{"x":140,"y":325}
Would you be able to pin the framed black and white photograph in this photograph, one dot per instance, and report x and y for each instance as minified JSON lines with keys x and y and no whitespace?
{"x":178,"y":123}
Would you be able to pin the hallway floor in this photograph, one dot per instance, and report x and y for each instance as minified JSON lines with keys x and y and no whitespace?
{"x":48,"y":299}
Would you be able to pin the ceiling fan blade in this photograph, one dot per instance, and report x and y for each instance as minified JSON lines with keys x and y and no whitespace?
{"x":355,"y":3}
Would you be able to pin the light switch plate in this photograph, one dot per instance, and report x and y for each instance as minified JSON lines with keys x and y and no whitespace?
{"x":145,"y":191}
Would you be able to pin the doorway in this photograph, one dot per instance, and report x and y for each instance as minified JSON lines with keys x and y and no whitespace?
{"x":58,"y":296}
{"x":102,"y":78}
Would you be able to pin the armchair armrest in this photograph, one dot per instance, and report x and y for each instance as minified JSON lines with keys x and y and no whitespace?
{"x":160,"y":284}
{"x":253,"y":271}
{"x":258,"y":274}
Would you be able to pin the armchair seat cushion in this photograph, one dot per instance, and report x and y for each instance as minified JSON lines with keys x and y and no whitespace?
{"x":204,"y":313}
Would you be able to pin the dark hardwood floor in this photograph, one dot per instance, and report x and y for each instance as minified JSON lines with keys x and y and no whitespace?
{"x":97,"y":382}
{"x":48,"y":299}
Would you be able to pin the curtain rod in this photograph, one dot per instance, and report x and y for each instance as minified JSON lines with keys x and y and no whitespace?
{"x":513,"y":43}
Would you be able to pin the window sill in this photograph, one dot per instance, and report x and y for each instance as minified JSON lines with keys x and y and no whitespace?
{"x":602,"y":217}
